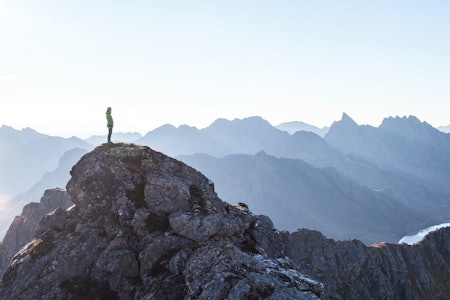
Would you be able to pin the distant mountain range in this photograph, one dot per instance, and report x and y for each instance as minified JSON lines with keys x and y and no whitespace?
{"x":403,"y":158}
{"x":128,"y":137}
{"x":26,"y":155}
{"x":297,"y":195}
{"x":294,"y":126}
{"x":57,"y":178}
{"x":403,"y":145}
{"x":373,"y":183}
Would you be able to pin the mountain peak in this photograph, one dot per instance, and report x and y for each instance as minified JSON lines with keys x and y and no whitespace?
{"x":410,"y":127}
{"x":347,"y":119}
{"x":343,"y":127}
{"x":255,"y":121}
{"x":249,"y":122}
{"x":7,"y":128}
{"x":29,"y":130}
{"x":344,"y":123}
{"x":401,"y":120}
{"x":10,"y":132}
{"x":142,"y":217}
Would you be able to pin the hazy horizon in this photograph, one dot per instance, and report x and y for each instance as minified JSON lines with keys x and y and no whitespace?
{"x":86,"y":135}
{"x":103,"y":131}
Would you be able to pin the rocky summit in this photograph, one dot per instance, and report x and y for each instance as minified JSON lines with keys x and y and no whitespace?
{"x":147,"y":226}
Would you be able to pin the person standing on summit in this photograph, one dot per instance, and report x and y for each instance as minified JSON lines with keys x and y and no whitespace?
{"x":110,"y":123}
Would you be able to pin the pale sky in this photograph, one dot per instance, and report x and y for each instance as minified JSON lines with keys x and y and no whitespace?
{"x":191,"y":62}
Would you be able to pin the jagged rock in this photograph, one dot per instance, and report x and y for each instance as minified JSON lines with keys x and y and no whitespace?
{"x":351,"y":270}
{"x":146,"y":226}
{"x":22,"y":229}
{"x":239,"y":275}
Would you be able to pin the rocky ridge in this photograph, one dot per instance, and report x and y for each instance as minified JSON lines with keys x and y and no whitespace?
{"x":146,"y":226}
{"x":351,"y":270}
{"x":22,"y":229}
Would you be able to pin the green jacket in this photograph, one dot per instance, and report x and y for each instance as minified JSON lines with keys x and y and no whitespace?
{"x":109,"y":119}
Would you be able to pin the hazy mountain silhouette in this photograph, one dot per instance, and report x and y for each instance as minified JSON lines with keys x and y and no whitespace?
{"x":182,"y":140}
{"x":54,"y":179}
{"x":249,"y":135}
{"x":246,"y":136}
{"x":402,"y":145}
{"x":254,"y":134}
{"x":295,"y":194}
{"x":411,"y":166}
{"x":294,"y":126}
{"x":374,"y":161}
{"x":26,"y":155}
{"x":126,"y":137}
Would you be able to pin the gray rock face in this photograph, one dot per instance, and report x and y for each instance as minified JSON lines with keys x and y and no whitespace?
{"x":146,"y":226}
{"x":23,"y":227}
{"x":350,"y":270}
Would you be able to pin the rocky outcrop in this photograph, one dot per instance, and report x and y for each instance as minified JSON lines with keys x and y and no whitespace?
{"x":22,"y":229}
{"x":146,"y":226}
{"x":351,"y":270}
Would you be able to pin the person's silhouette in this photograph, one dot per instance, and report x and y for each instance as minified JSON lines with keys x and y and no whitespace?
{"x":110,"y":123}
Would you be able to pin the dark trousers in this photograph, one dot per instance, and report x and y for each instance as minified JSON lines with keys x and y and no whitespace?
{"x":109,"y":133}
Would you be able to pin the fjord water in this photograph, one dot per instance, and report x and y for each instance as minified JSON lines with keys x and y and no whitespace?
{"x":417,"y":237}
